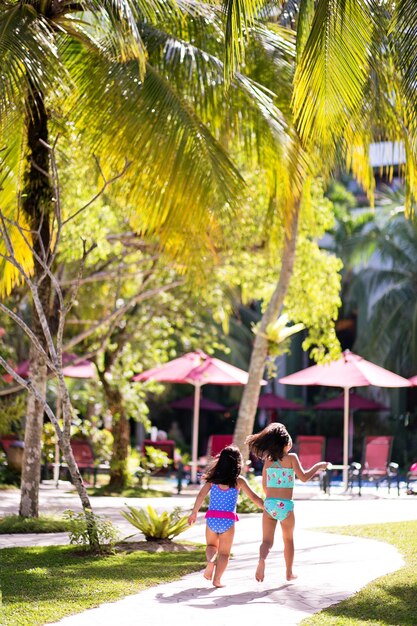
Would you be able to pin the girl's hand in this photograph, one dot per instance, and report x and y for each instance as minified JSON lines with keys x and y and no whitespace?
{"x":192,"y":518}
{"x":324,"y":465}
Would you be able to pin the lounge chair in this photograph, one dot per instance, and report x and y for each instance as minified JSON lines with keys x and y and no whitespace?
{"x":310,"y":450}
{"x":411,"y":477}
{"x":216,"y":443}
{"x":376,"y":463}
{"x":84,"y":457}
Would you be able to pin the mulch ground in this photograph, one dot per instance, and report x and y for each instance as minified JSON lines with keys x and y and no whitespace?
{"x":154,"y":546}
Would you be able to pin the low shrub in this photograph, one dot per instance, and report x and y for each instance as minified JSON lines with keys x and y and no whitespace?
{"x":107,"y":533}
{"x":245,"y":504}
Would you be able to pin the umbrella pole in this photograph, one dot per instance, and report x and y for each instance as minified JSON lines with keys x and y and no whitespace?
{"x":346,"y":438}
{"x":196,"y":417}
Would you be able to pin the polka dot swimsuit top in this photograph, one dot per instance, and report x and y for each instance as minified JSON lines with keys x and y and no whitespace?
{"x":278,"y":476}
{"x":223,"y":502}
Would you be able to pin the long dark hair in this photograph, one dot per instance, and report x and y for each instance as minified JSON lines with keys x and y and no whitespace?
{"x":225,"y":468}
{"x":270,"y":442}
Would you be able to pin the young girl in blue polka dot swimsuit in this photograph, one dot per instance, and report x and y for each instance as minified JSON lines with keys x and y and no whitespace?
{"x":223,"y":483}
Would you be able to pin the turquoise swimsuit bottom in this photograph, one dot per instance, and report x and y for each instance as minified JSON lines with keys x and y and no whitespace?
{"x":278,"y":508}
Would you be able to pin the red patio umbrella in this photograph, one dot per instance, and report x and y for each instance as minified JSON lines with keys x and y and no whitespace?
{"x":197,"y":369}
{"x":271,"y":401}
{"x":356,"y":403}
{"x":187,"y":404}
{"x":349,"y":371}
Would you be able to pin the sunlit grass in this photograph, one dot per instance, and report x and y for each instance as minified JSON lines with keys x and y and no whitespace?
{"x":388,"y":601}
{"x":42,"y":585}
{"x":42,"y":524}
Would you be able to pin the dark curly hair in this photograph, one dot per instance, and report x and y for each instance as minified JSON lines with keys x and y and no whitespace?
{"x":270,"y":442}
{"x":225,"y":468}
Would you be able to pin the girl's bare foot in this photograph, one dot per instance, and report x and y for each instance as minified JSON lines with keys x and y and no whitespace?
{"x":260,"y":571}
{"x":218,"y":583}
{"x":291,"y":576}
{"x":208,"y":572}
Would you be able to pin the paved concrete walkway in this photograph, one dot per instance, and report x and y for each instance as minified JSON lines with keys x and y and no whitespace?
{"x":330,"y":567}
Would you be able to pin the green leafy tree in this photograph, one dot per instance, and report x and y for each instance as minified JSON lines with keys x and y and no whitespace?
{"x":353,"y":84}
{"x":85,"y":69}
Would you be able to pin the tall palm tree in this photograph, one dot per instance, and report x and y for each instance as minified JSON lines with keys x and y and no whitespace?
{"x":98,"y":69}
{"x":354,"y":83}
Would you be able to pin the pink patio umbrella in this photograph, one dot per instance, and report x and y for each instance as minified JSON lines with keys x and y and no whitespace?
{"x":187,"y":404}
{"x":75,"y":367}
{"x":413,"y":381}
{"x":197,"y":369}
{"x":349,"y":371}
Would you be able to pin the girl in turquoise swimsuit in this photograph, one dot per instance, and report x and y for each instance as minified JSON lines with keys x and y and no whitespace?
{"x":223,"y":483}
{"x":272,"y":446}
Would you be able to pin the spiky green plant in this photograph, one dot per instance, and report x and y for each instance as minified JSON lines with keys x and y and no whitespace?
{"x":157,"y":526}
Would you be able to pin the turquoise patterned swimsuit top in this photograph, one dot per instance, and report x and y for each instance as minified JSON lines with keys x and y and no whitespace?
{"x":279,"y":477}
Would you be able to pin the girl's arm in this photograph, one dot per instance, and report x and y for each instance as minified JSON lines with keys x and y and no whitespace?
{"x":198,"y":502}
{"x":243,"y":484}
{"x":301,"y":473}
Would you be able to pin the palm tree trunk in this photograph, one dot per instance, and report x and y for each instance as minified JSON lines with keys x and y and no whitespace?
{"x":249,"y":403}
{"x":119,"y":475}
{"x":31,"y":469}
{"x":37,"y":204}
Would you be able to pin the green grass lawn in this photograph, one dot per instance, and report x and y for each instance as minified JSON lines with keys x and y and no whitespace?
{"x":42,"y":585}
{"x":388,"y":601}
{"x":129,"y":492}
{"x":41,"y":524}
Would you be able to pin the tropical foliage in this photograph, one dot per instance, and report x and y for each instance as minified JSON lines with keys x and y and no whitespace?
{"x":382,"y":290}
{"x":157,"y":526}
{"x":354,"y":80}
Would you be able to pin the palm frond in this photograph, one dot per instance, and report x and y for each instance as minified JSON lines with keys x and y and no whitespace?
{"x":239,"y":16}
{"x":28,"y":55}
{"x":179,"y":170}
{"x":333,"y":69}
{"x":12,"y":150}
{"x":404,"y":35}
{"x":118,"y":19}
{"x":305,"y":20}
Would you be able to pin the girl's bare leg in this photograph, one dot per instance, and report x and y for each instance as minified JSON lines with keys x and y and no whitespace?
{"x":287,"y":527}
{"x":268,"y":531}
{"x":225,"y":546}
{"x":212,"y":546}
